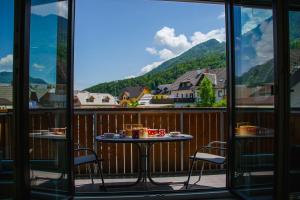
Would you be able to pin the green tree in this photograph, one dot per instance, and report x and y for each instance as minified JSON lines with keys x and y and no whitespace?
{"x":206,"y":93}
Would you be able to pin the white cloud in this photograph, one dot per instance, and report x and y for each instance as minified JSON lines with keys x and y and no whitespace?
{"x":151,"y":50}
{"x":57,"y":8}
{"x":199,"y":37}
{"x":62,"y":9}
{"x":166,"y":54}
{"x":130,"y":76}
{"x":264,"y":47}
{"x":222,"y":15}
{"x":254,"y":17}
{"x":173,"y":45}
{"x":167,"y":37}
{"x":38,"y":67}
{"x":150,"y":67}
{"x":6,"y":63}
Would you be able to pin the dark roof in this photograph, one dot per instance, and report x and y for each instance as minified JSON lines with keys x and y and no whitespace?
{"x":164,"y":87}
{"x":6,"y":95}
{"x":295,"y":78}
{"x":216,"y":76}
{"x":191,"y":77}
{"x":5,"y":102}
{"x":220,"y":75}
{"x":133,"y":92}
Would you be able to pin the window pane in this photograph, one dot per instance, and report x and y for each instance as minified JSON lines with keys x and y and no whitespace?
{"x":7,"y":134}
{"x":47,"y":98}
{"x":254,"y":98}
{"x":294,"y":135}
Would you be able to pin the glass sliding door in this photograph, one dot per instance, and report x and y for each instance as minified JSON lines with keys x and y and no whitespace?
{"x":253,"y":131}
{"x":294,"y":134}
{"x":7,"y":135}
{"x":49,"y":97}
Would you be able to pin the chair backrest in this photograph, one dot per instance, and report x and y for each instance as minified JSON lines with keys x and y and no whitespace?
{"x":217,"y":145}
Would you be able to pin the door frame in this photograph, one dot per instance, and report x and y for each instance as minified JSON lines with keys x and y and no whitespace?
{"x":22,"y":13}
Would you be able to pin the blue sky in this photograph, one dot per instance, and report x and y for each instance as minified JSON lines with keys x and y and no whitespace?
{"x":116,"y":39}
{"x":6,"y":36}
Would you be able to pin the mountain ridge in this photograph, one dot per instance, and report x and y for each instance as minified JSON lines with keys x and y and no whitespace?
{"x":209,"y":54}
{"x":7,"y":78}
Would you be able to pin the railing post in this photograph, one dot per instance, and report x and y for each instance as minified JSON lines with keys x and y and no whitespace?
{"x":181,"y":143}
{"x":222,"y":132}
{"x":95,"y":129}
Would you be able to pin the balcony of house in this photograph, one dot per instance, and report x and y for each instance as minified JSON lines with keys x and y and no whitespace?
{"x":169,"y":162}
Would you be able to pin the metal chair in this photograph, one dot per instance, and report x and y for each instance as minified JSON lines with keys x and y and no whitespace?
{"x":89,"y":159}
{"x":206,"y":157}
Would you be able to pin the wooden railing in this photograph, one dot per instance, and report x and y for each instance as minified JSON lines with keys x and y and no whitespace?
{"x":205,"y":125}
{"x":122,"y":159}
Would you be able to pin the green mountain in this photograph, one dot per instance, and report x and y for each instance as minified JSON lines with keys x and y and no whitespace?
{"x":209,"y":54}
{"x":7,"y":77}
{"x":258,"y":75}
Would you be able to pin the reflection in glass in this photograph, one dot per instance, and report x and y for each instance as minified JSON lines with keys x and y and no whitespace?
{"x":254,"y":77}
{"x":47,"y":96}
{"x":6,"y":99}
{"x":294,"y":135}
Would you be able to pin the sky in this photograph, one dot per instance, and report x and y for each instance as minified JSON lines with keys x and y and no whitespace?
{"x":6,"y":37}
{"x":119,"y":39}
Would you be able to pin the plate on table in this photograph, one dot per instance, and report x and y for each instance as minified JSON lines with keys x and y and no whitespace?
{"x":109,"y":135}
{"x":175,"y":133}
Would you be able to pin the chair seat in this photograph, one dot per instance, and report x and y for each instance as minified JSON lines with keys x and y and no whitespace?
{"x":209,"y":158}
{"x":84,"y":159}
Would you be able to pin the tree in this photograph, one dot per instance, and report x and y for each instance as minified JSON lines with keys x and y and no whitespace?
{"x":206,"y":93}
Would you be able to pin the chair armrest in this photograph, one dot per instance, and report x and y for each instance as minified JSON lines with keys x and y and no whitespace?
{"x":217,"y":142}
{"x":88,"y":150}
{"x":210,"y":146}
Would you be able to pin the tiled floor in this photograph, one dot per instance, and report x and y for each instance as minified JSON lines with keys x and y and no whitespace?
{"x":207,"y":182}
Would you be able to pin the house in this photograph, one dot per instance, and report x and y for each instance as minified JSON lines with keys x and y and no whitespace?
{"x":87,"y":99}
{"x":145,"y":100}
{"x":163,"y":89}
{"x":219,"y":82}
{"x":253,"y":96}
{"x":6,"y":96}
{"x":132,"y":94}
{"x":53,"y":98}
{"x":184,"y":89}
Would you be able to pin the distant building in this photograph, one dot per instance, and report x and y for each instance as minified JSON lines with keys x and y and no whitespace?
{"x":261,"y":95}
{"x":184,"y":89}
{"x":132,"y":94}
{"x":163,"y":89}
{"x":6,"y":96}
{"x":87,"y":99}
{"x":146,"y":99}
{"x":52,"y":98}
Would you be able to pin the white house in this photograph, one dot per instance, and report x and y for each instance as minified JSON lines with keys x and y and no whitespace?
{"x":145,"y":100}
{"x":87,"y":99}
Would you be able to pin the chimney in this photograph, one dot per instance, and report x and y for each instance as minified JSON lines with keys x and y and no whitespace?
{"x":199,"y":71}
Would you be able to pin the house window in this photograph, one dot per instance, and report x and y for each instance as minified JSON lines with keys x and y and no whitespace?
{"x":177,"y":95}
{"x":191,"y":95}
{"x":181,"y":95}
{"x":105,"y":99}
{"x":186,"y":95}
{"x":90,"y":99}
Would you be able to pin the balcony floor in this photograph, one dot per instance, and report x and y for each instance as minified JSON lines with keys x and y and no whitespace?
{"x":207,"y":182}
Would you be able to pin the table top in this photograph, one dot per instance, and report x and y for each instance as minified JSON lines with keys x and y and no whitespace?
{"x":48,"y":136}
{"x":166,"y":138}
{"x":254,"y":136}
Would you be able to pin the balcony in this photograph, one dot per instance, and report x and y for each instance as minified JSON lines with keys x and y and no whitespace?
{"x":169,"y":161}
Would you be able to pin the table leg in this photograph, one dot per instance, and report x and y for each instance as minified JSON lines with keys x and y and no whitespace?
{"x":149,"y":170}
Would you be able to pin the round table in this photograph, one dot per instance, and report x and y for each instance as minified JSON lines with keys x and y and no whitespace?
{"x":144,"y":146}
